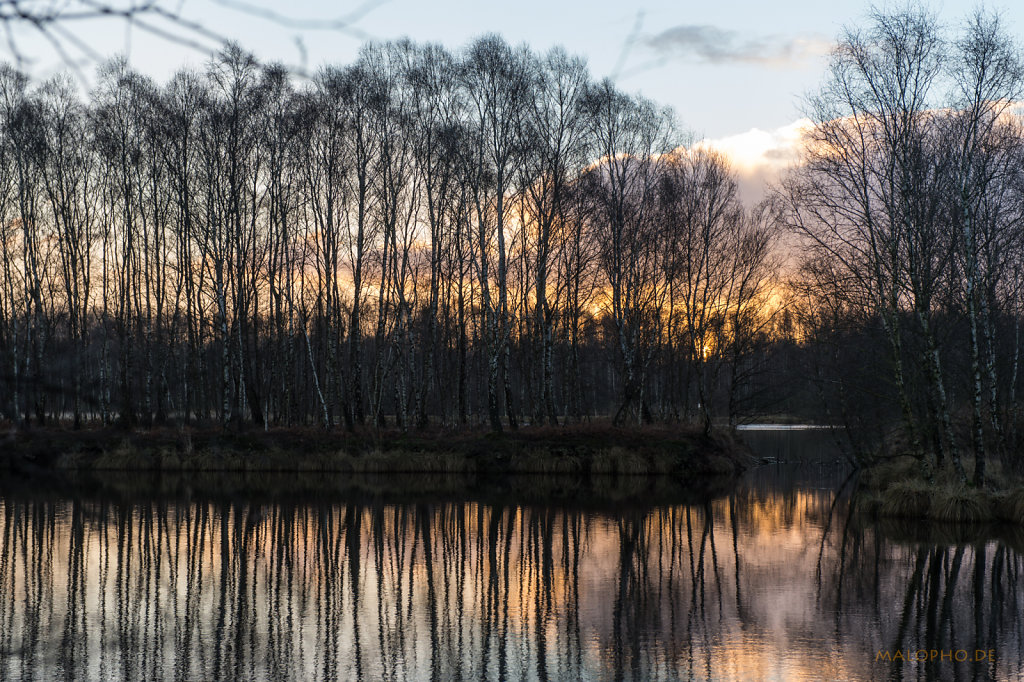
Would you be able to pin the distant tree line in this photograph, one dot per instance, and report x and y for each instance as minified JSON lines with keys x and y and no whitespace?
{"x":488,"y":236}
{"x":910,"y":207}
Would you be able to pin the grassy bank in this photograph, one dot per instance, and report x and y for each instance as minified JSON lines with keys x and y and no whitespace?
{"x":584,"y":493}
{"x":896,"y":490}
{"x":585,"y":449}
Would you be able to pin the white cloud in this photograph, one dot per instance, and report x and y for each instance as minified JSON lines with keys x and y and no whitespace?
{"x":759,"y":157}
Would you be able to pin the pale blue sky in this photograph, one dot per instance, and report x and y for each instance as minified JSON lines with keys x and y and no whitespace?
{"x":726,"y":66}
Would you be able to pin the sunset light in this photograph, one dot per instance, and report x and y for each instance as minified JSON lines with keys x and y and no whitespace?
{"x":528,"y":341}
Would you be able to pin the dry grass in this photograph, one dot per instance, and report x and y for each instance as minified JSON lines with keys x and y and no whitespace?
{"x":906,"y":499}
{"x":895,"y":488}
{"x":618,"y":460}
{"x":943,"y":501}
{"x":961,"y":504}
{"x":890,"y":472}
{"x":1009,"y":506}
{"x":598,"y":448}
{"x":123,"y":456}
{"x":868,"y":502}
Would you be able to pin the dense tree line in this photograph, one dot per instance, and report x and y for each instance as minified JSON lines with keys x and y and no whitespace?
{"x":909,"y":206}
{"x":418,"y":237}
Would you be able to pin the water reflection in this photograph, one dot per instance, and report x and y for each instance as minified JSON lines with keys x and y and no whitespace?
{"x":775,"y":580}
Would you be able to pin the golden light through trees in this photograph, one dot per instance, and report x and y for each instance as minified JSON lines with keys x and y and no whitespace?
{"x":231,"y":246}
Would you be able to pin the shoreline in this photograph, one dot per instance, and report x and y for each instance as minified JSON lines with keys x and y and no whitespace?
{"x":598,"y":493}
{"x":589,"y":449}
{"x":895,"y":490}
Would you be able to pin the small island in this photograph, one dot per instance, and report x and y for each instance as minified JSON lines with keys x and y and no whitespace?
{"x":587,"y":450}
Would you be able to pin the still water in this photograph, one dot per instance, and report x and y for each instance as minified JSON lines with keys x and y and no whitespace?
{"x":279,"y":578}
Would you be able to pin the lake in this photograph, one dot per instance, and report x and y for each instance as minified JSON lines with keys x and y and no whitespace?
{"x":280,"y":577}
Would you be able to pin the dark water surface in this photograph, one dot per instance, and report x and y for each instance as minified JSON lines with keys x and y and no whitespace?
{"x":282,"y":578}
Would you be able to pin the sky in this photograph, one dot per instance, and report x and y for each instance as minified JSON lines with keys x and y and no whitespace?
{"x":735,"y":71}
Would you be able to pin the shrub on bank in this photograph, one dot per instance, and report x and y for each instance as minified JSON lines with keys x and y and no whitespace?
{"x":897,"y":489}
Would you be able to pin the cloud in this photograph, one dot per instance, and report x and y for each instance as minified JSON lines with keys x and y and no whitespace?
{"x":760,"y":157}
{"x":714,"y":45}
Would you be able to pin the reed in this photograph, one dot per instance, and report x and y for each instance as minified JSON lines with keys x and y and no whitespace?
{"x":577,"y":450}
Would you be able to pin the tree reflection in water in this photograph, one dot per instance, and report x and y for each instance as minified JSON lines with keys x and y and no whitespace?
{"x":777,"y":579}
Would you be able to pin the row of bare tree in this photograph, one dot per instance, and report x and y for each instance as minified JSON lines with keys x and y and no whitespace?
{"x":910,"y":205}
{"x":421,"y":236}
